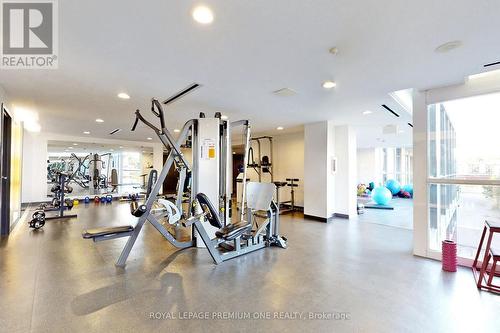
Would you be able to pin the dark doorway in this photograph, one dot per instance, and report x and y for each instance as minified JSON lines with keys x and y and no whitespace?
{"x":5,"y":143}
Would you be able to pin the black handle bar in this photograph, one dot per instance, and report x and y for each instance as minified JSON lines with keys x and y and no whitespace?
{"x":155,"y":105}
{"x":138,"y":116}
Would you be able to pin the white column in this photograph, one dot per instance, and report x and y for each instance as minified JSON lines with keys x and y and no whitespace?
{"x":346,"y":175}
{"x":34,"y":173}
{"x":420,"y":209}
{"x":318,"y":177}
{"x":158,"y":156}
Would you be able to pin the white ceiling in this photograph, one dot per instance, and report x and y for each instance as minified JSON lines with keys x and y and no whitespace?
{"x":253,"y":47}
{"x":85,"y":148}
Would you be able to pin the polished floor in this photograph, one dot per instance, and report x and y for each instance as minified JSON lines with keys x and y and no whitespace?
{"x":401,"y":216}
{"x":55,"y":281}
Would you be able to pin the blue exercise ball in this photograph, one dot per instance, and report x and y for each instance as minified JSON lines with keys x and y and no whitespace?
{"x":381,"y":195}
{"x":408,"y":188}
{"x":393,"y":186}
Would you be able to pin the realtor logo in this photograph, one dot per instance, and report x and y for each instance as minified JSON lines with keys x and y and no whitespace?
{"x":29,"y":34}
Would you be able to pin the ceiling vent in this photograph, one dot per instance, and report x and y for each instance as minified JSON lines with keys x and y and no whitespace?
{"x":390,"y":110}
{"x":492,"y":64}
{"x":285,"y":92}
{"x":390,"y":129}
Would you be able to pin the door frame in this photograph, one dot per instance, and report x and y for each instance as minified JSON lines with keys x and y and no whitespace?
{"x":5,"y":161}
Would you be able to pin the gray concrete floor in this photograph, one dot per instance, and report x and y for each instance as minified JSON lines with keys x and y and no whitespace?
{"x":55,"y":281}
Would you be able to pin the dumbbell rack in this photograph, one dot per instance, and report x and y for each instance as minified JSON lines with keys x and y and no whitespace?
{"x":61,"y":208}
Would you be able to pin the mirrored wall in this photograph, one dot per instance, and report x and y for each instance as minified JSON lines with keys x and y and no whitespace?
{"x":97,"y":169}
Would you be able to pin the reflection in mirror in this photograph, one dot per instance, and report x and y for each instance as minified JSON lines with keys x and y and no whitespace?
{"x":96,"y":169}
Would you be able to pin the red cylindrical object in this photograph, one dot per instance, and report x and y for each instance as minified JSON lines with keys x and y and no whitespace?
{"x":449,"y":256}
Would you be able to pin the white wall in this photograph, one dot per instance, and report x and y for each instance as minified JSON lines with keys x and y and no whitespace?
{"x":289,"y":163}
{"x":367,"y":166}
{"x":3,"y":96}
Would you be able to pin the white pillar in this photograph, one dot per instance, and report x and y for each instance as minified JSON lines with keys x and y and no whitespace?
{"x":158,"y":156}
{"x":318,"y":176}
{"x":34,"y":173}
{"x":346,"y":175}
{"x":420,"y":209}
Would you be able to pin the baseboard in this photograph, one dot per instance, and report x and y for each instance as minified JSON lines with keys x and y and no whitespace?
{"x":341,"y":216}
{"x":317,"y":218}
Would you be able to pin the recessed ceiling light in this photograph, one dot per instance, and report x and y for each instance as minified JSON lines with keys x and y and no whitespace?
{"x":203,"y":15}
{"x":70,"y":147}
{"x":367,"y":112}
{"x":121,"y":147}
{"x":234,"y":153}
{"x":123,"y":96}
{"x":143,"y":151}
{"x":285,"y":92}
{"x":111,"y":150}
{"x":334,"y":50}
{"x":280,"y":128}
{"x":329,"y":84}
{"x":150,"y":138}
{"x":86,"y":132}
{"x":177,"y":130}
{"x":446,"y":47}
{"x":75,"y":144}
{"x":99,"y":120}
{"x":223,"y":117}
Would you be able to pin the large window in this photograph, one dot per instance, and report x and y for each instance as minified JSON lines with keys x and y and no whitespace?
{"x":130,"y":168}
{"x":397,"y":163}
{"x":463,"y":170}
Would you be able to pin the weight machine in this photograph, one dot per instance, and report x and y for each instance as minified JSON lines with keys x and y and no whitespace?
{"x":209,"y":213}
{"x":263,"y":163}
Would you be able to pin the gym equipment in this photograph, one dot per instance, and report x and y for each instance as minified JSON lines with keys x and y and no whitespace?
{"x":109,"y":198}
{"x":87,"y":200}
{"x":264,"y":163}
{"x":408,"y":188}
{"x":209,"y":193}
{"x":381,"y":195}
{"x":114,"y":180}
{"x":59,"y":202}
{"x":38,"y":219}
{"x":360,"y":208}
{"x":103,"y":199}
{"x":79,"y":175}
{"x":371,"y":186}
{"x":97,"y":199}
{"x":289,"y":205}
{"x":486,"y":267}
{"x":361,"y":190}
{"x":76,"y":202}
{"x":393,"y":186}
{"x":403,"y":194}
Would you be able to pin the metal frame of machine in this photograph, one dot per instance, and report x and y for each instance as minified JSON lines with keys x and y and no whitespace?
{"x":231,"y":240}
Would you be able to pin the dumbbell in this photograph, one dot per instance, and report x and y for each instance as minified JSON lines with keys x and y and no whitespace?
{"x":109,"y":198}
